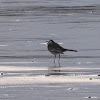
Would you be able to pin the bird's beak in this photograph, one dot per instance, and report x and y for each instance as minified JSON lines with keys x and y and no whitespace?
{"x":47,"y":42}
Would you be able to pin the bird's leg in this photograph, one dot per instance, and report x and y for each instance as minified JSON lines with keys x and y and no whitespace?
{"x":59,"y":62}
{"x":59,"y":57}
{"x":54,"y":59}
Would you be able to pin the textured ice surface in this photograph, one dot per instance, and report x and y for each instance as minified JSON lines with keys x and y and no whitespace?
{"x":27,"y":70}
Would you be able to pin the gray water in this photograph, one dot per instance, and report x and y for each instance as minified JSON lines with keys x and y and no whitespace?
{"x":26,"y":24}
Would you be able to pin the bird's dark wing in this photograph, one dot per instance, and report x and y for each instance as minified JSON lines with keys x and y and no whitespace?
{"x":61,"y":49}
{"x":58,"y":48}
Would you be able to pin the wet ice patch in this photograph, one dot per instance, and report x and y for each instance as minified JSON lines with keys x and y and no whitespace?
{"x":60,"y":43}
{"x":3,"y":45}
{"x":42,"y":79}
{"x":18,"y":20}
{"x":44,"y":43}
{"x":29,"y":41}
{"x":10,"y":29}
{"x":13,"y":68}
{"x":52,"y":34}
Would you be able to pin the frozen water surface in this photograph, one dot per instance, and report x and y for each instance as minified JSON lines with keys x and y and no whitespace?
{"x":27,"y":70}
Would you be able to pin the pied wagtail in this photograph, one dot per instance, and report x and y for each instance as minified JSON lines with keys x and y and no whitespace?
{"x":56,"y":49}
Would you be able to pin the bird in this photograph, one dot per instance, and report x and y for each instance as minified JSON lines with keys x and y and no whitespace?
{"x":55,"y":49}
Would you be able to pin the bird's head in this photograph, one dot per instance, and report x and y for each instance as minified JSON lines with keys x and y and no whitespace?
{"x":50,"y":42}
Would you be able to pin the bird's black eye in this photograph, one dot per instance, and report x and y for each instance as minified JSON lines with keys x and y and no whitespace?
{"x":50,"y":41}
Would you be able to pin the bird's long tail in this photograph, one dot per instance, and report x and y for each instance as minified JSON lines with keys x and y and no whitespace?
{"x":71,"y":50}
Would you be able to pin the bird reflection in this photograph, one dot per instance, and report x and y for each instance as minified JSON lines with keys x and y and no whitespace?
{"x":56,"y":65}
{"x":54,"y":70}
